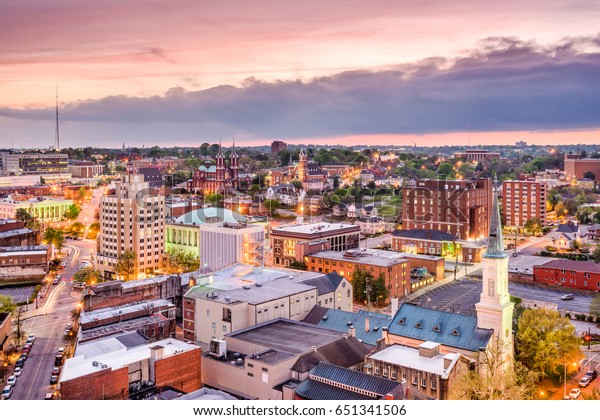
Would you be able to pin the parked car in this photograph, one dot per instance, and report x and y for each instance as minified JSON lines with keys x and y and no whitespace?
{"x":12,"y":380}
{"x":29,"y":343}
{"x":18,"y":371}
{"x":21,"y":362}
{"x":49,"y":396}
{"x":568,"y":296}
{"x":575,"y":393}
{"x":592,"y":374}
{"x":55,"y":370}
{"x":6,"y":392}
{"x":31,"y":338}
{"x":53,"y":379}
{"x":585,"y":381}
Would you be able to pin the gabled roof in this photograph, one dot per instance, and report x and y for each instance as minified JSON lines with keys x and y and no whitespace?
{"x":564,"y":264}
{"x":569,"y":227}
{"x":325,"y":284}
{"x":424,"y":234}
{"x":150,"y":173}
{"x":344,"y":352}
{"x":447,"y":328}
{"x":339,"y":320}
{"x":362,"y":386}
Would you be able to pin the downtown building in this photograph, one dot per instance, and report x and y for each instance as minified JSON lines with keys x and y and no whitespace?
{"x":458,"y":207}
{"x":131,"y":219}
{"x":523,"y":201}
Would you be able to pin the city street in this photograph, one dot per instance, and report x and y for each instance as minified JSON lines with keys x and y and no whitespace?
{"x":48,"y":324}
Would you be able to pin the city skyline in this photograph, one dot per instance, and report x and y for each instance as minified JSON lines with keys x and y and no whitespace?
{"x":376,"y":73}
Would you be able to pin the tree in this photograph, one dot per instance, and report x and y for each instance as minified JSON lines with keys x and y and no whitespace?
{"x":88,"y":275}
{"x":545,"y":341}
{"x":72,"y":212}
{"x":23,"y":216}
{"x":595,"y":306}
{"x":445,"y":170}
{"x":271,"y":206}
{"x":126,"y":264}
{"x":298,"y":265}
{"x":561,"y":210}
{"x":54,"y":237}
{"x":362,"y":280}
{"x":585,"y":215}
{"x":77,"y":228}
{"x":297,"y":184}
{"x":596,"y":254}
{"x":7,"y":304}
{"x":93,"y":230}
{"x":533,"y":226}
{"x":213,"y":198}
{"x":514,"y":383}
{"x":178,"y":261}
{"x":81,"y":193}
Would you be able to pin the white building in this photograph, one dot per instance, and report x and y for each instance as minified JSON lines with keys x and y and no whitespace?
{"x":225,"y":244}
{"x":42,"y":208}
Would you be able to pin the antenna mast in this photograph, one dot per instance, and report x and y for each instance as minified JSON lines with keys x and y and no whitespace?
{"x":57,"y":136}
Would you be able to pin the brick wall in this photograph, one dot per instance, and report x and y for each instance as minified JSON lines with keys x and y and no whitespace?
{"x":181,"y":371}
{"x":103,"y":385}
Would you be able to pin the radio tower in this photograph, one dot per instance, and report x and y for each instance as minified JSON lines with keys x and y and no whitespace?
{"x":56,"y":135}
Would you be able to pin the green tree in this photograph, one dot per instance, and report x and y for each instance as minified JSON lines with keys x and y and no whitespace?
{"x":533,"y":226}
{"x":298,"y":184}
{"x":213,"y":198}
{"x":362,"y":280}
{"x":54,"y":237}
{"x":445,"y":170}
{"x":77,"y":228}
{"x":561,"y":210}
{"x":81,"y":194}
{"x":7,"y":304}
{"x":271,"y":206}
{"x":72,"y":212}
{"x":585,"y":215}
{"x":298,"y":265}
{"x":178,"y":261}
{"x":88,"y":275}
{"x":545,"y":341}
{"x":126,"y":264}
{"x":23,"y":216}
{"x":595,"y":306}
{"x":596,"y":254}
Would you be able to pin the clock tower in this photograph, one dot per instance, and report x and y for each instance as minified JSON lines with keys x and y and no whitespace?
{"x":495,"y":310}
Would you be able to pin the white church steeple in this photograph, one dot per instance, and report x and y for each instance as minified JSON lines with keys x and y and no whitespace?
{"x":495,"y":310}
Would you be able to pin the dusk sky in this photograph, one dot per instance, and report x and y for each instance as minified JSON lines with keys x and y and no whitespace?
{"x":184,"y":72}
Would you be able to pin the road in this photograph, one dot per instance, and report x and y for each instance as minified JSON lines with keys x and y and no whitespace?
{"x":48,"y":324}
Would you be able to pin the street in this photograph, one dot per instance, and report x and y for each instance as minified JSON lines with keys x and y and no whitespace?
{"x":48,"y":324}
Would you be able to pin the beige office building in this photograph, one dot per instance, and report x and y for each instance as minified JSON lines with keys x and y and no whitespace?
{"x":131,"y":219}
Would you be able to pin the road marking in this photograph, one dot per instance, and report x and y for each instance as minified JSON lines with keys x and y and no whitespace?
{"x":33,"y":382}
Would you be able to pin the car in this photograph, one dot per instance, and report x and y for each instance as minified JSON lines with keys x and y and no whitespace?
{"x":60,"y":350}
{"x":575,"y":393}
{"x":53,"y":379}
{"x":49,"y":396}
{"x":58,"y":276}
{"x":6,"y":392}
{"x":18,"y":371}
{"x":31,"y":337}
{"x":26,"y":349}
{"x":55,"y":370}
{"x":568,"y":296}
{"x":55,"y":282}
{"x":585,"y":381}
{"x":29,"y":343}
{"x":21,"y":362}
{"x":592,"y":374}
{"x":12,"y":380}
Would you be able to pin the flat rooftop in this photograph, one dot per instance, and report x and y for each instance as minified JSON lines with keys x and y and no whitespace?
{"x":282,"y":339}
{"x":15,"y":232}
{"x":111,"y":353}
{"x":369,"y":256}
{"x":409,"y":357}
{"x":316,"y":228}
{"x":117,"y":328}
{"x":251,"y":284}
{"x":104,"y":313}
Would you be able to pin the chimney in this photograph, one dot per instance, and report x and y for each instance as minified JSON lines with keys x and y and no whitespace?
{"x":367,"y":324}
{"x":395,"y":305}
{"x":384,"y":335}
{"x":351,"y":331}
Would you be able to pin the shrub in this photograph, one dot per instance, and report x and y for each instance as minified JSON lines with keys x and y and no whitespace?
{"x":568,"y":315}
{"x":590,"y":318}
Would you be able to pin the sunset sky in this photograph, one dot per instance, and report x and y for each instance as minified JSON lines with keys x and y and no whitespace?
{"x":182,"y":72}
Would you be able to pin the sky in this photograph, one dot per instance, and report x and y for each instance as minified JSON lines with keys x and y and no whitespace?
{"x":184,"y":72}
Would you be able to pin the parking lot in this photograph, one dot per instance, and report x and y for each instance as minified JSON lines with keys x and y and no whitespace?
{"x":462,"y":295}
{"x":19,"y":294}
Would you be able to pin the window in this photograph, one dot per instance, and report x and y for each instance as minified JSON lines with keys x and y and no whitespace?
{"x":433,"y":384}
{"x":424,"y":382}
{"x":265,"y":375}
{"x":414,"y":380}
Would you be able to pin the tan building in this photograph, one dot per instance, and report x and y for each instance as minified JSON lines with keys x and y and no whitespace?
{"x":258,"y":362}
{"x":42,"y":208}
{"x":341,"y":236}
{"x":523,"y":201}
{"x":131,"y":219}
{"x":242,"y":296}
{"x":457,"y":207}
{"x":425,"y":371}
{"x":576,"y":167}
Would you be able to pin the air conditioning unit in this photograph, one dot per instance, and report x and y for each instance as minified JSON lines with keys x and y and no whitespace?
{"x":218,"y":347}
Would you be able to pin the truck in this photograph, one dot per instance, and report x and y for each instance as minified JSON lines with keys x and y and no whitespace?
{"x":419,"y":273}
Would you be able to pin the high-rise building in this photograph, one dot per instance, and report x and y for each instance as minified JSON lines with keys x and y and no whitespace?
{"x":458,"y":207}
{"x":33,"y":163}
{"x":131,"y":219}
{"x":277,"y":146}
{"x":523,"y":200}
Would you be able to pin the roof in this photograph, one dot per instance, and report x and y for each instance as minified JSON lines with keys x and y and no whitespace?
{"x":344,"y":352}
{"x":568,"y":227}
{"x":495,"y":246}
{"x":325,"y":284}
{"x":407,"y":356}
{"x":106,"y":313}
{"x":424,"y":234}
{"x":150,"y":173}
{"x":356,"y":385}
{"x":282,"y":339}
{"x":368,"y":256}
{"x":15,"y":232}
{"x":315,"y":228}
{"x":111,"y":354}
{"x":564,"y":264}
{"x":454,"y":330}
{"x":207,"y":394}
{"x":200,"y":216}
{"x":339,"y":320}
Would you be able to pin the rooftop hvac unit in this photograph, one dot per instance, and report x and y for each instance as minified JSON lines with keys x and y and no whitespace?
{"x":218,"y":347}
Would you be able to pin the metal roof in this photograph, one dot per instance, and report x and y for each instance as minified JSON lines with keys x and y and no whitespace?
{"x":424,"y":234}
{"x":447,"y":328}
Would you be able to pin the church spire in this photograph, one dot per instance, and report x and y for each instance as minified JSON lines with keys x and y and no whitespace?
{"x":495,"y":248}
{"x":233,"y":149}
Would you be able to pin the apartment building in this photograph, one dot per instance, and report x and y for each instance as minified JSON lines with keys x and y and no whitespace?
{"x":582,"y":275}
{"x":523,"y":200}
{"x":458,"y":207}
{"x":131,"y":219}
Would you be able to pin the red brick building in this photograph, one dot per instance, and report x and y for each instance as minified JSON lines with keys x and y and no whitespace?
{"x":458,"y":207}
{"x":582,"y":275}
{"x":576,"y":167}
{"x":523,"y":200}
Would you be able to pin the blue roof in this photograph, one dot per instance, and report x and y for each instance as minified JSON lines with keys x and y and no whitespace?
{"x":199,"y":216}
{"x":313,"y":389}
{"x":340,"y":321}
{"x":447,"y":328}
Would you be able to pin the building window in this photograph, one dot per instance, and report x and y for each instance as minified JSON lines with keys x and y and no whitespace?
{"x":424,"y":382}
{"x":265,"y":375}
{"x":414,"y":380}
{"x":433,"y":384}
